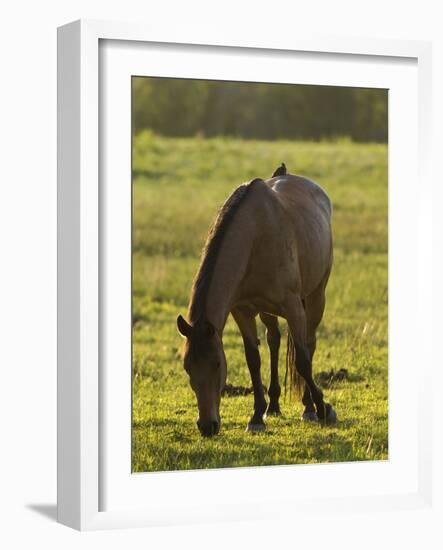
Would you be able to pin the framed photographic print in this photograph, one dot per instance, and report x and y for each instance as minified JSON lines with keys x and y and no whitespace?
{"x":242,"y":270}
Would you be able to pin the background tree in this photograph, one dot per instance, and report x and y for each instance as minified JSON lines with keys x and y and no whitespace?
{"x":181,"y":107}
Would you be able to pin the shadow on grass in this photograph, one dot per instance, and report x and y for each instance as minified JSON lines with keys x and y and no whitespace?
{"x":332,"y":378}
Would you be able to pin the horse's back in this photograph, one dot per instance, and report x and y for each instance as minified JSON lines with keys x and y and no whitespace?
{"x":297,"y":192}
{"x":309,"y":211}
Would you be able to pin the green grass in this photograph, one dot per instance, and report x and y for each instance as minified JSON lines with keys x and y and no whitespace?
{"x":178,"y":186}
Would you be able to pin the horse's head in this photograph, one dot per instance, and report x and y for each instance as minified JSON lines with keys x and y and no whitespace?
{"x":205,"y":363}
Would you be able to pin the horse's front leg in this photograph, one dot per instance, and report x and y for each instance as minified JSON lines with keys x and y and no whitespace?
{"x":248,"y":329}
{"x":273,"y":339}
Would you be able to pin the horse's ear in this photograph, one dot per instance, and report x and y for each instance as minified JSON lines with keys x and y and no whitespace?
{"x":184,"y":327}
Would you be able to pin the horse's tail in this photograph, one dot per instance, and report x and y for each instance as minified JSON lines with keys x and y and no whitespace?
{"x":292,"y":376}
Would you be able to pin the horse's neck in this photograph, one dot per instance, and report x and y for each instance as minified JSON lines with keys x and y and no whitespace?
{"x":230,"y":268}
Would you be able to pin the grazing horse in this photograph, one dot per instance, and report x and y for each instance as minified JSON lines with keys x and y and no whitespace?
{"x":269,"y":253}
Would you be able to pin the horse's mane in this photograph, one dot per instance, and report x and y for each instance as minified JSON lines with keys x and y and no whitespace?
{"x":202,"y":281}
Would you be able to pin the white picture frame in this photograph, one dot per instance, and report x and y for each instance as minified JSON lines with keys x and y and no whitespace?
{"x":82,"y":415}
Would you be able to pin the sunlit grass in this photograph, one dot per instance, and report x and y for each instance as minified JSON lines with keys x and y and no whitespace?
{"x":178,"y":186}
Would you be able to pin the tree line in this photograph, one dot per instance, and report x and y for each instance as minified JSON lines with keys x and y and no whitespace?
{"x":181,"y":107}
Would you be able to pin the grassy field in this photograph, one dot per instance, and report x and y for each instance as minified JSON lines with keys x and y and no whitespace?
{"x":178,"y":186}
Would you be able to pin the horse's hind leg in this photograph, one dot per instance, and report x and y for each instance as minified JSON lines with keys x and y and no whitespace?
{"x":248,"y":328}
{"x":273,"y":339}
{"x":297,"y":320}
{"x":314,"y":305}
{"x":309,"y":414}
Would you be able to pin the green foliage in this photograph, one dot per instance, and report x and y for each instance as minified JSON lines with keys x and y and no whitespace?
{"x":180,"y":107}
{"x":178,"y":186}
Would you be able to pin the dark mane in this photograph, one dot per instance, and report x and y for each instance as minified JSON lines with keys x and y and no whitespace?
{"x":211,"y":249}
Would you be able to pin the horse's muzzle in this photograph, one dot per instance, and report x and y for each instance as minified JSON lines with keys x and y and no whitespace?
{"x":208,"y":429}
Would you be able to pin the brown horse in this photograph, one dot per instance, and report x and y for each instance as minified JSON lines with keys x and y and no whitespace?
{"x":269,"y":253}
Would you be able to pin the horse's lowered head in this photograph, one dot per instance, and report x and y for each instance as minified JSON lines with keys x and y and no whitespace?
{"x":205,"y":363}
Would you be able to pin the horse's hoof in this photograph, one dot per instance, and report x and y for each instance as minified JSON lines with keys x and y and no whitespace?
{"x":331,"y":418}
{"x":273,"y":412}
{"x":256,"y":428}
{"x":309,"y":416}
